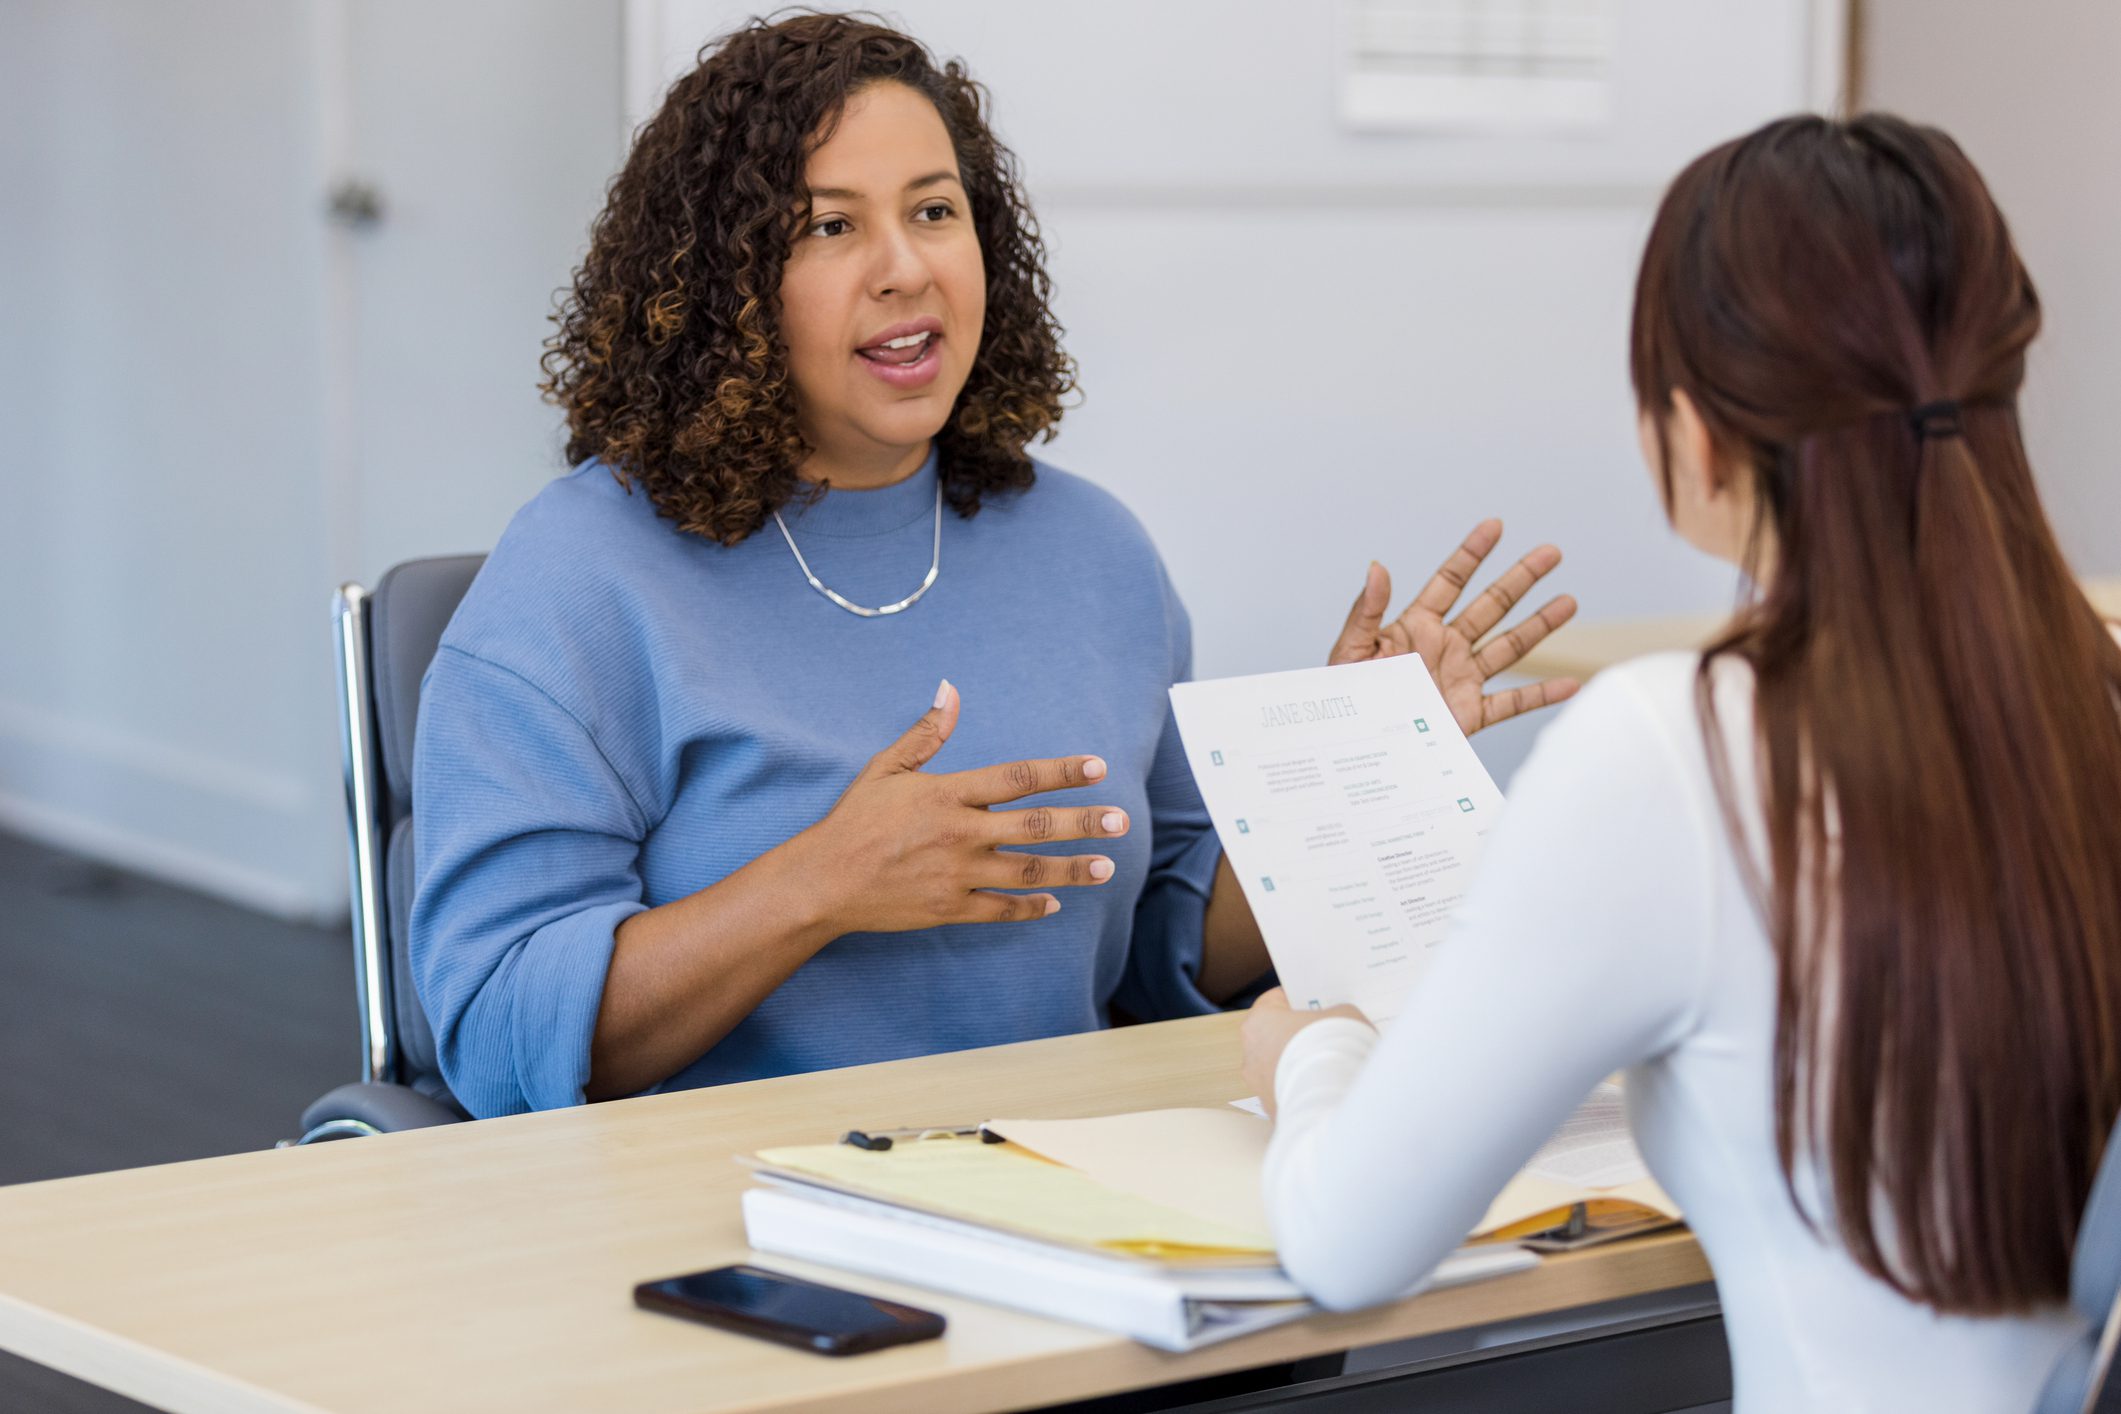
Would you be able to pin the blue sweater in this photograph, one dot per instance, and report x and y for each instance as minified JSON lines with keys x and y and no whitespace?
{"x":622,"y":714}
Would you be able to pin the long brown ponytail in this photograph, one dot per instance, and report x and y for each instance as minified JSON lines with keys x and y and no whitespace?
{"x":1938,"y":705}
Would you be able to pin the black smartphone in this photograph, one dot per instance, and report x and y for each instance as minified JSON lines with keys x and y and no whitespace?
{"x":754,"y":1301}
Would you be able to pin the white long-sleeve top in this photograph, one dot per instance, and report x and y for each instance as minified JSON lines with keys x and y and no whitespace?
{"x":1610,"y":928}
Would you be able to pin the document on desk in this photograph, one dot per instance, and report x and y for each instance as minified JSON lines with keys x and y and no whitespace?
{"x":1351,"y":808}
{"x":1148,"y":1223}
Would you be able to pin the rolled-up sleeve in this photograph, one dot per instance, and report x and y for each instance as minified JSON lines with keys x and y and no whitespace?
{"x":526,"y":848}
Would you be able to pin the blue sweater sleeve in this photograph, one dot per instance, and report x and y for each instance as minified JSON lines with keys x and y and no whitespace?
{"x":1162,"y":979}
{"x":526,"y":845}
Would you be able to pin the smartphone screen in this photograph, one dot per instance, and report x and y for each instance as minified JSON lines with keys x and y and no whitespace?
{"x":753,"y":1301}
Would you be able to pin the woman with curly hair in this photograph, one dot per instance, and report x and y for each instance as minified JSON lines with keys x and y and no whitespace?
{"x":657,"y":843}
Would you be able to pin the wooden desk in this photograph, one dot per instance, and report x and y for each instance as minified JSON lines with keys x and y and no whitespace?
{"x":491,"y":1265}
{"x":1583,"y":650}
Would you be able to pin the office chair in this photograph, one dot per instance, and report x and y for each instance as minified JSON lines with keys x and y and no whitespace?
{"x":385,"y":640}
{"x":2083,"y":1379}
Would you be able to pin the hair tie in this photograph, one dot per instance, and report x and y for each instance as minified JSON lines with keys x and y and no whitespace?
{"x":1938,"y":419}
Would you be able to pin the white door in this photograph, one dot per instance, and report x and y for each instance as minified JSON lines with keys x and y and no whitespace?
{"x":469,"y":146}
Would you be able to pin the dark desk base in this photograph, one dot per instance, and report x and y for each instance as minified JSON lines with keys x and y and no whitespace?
{"x":1660,"y":1364}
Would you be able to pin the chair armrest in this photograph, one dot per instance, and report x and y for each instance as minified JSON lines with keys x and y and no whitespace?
{"x":388,"y":1108}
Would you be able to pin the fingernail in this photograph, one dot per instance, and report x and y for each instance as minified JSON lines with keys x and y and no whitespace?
{"x":1100,"y":868}
{"x":1093,"y":769}
{"x":1114,"y":822}
{"x":942,"y":694}
{"x":1052,"y":907}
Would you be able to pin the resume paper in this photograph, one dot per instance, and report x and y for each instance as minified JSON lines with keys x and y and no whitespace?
{"x":1351,"y":808}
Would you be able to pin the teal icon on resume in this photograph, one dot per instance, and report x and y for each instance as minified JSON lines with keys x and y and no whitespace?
{"x":1465,"y":804}
{"x":1267,"y":882}
{"x":1243,"y":828}
{"x":1216,"y":757}
{"x":1421,"y":724}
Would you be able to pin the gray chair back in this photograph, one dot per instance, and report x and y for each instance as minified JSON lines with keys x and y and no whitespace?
{"x":2083,"y":1380}
{"x":386,"y":639}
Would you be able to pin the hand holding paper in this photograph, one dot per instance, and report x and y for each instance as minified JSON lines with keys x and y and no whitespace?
{"x":1269,"y":1027}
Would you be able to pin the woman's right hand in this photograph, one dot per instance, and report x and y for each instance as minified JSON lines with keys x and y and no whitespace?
{"x":903,"y":849}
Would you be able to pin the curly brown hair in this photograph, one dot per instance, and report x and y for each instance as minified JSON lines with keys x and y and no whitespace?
{"x":668,"y":357}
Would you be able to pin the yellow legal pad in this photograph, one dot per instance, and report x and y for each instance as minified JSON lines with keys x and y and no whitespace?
{"x":1005,"y":1187}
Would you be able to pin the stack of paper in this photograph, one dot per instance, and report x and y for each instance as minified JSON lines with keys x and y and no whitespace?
{"x":1147,"y":1224}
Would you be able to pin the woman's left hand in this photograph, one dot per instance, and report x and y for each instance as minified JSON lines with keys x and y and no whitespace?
{"x":1453,"y":652}
{"x":1268,"y":1028}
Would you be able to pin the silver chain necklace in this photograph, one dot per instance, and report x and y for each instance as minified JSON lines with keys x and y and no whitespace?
{"x":935,"y":566}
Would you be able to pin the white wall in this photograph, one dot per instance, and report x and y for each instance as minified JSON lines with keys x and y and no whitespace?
{"x":1303,"y":348}
{"x":217,"y":405}
{"x":2028,"y":90}
{"x":161,"y":375}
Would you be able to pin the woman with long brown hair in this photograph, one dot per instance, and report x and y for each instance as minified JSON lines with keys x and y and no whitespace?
{"x":1845,"y":888}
